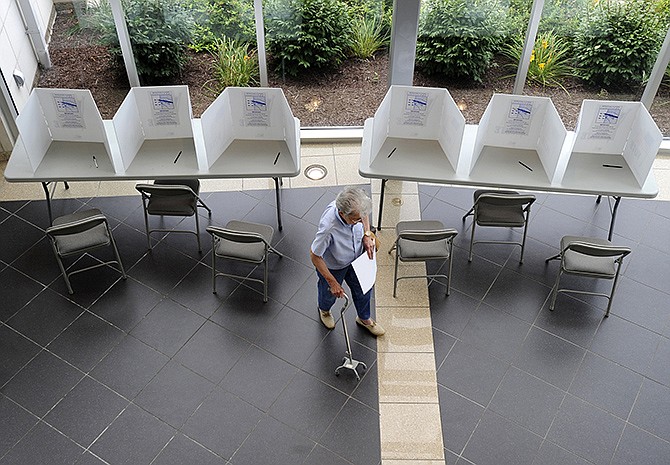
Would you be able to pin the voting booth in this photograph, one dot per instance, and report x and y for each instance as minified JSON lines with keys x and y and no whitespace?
{"x":62,"y":134}
{"x":417,"y":130}
{"x":614,"y":146}
{"x":251,"y":130}
{"x":519,"y":139}
{"x":154,"y":131}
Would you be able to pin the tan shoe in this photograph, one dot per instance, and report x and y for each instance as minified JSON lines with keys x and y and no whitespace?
{"x":327,"y":319}
{"x":374,"y":328}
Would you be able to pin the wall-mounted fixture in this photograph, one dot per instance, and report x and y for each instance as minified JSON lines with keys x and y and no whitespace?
{"x":19,"y":78}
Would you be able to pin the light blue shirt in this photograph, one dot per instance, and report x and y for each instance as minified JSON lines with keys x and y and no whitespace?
{"x":337,"y":242}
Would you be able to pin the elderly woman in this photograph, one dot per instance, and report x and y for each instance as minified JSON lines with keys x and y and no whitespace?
{"x":343,"y":235}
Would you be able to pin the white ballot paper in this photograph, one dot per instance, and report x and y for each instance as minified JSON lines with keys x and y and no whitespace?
{"x":366,"y":270}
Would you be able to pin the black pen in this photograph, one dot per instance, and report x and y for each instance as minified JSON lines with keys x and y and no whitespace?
{"x":95,"y":161}
{"x":525,"y":166}
{"x":178,"y":155}
{"x":612,"y":166}
{"x":276,"y":158}
{"x":389,"y":155}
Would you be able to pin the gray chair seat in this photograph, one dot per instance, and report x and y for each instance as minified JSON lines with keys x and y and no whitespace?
{"x":79,"y":233}
{"x":505,"y":209}
{"x":422,"y":241}
{"x":172,"y":197}
{"x":576,"y":261}
{"x":590,"y":257}
{"x":242,"y":241}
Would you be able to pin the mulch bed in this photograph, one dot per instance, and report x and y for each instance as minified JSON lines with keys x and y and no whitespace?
{"x":342,"y":97}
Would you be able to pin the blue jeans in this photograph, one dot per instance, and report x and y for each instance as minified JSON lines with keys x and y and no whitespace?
{"x":327,"y":299}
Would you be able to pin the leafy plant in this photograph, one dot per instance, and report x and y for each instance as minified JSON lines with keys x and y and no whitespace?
{"x":236,"y":65}
{"x":618,"y":43}
{"x":550,"y":61}
{"x":159,"y":33}
{"x":367,"y":36}
{"x":459,"y":38}
{"x":304,"y":34}
{"x":215,"y":19}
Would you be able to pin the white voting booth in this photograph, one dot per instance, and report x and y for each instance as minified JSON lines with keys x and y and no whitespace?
{"x":615,"y":145}
{"x":62,"y":134}
{"x":416,"y":130}
{"x":251,"y":130}
{"x":154,"y":130}
{"x":519,"y":139}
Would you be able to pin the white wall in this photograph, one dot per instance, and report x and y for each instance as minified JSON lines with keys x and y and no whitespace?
{"x":16,"y":51}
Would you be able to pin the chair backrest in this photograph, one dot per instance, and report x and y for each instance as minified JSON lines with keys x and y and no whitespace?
{"x":506,"y":199}
{"x":428,"y":235}
{"x":245,"y":237}
{"x":598,"y":250}
{"x":77,"y":226}
{"x":164,"y":189}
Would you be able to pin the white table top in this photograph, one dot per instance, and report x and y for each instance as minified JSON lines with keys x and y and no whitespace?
{"x":425,"y":161}
{"x":74,"y":161}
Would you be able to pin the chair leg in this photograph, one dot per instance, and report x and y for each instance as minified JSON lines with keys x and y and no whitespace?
{"x":197,"y":230}
{"x":472,"y":240}
{"x":451,"y":261}
{"x":470,"y":212}
{"x":265,"y":279}
{"x":146,"y":224}
{"x":555,"y":257}
{"x":614,"y":284}
{"x":116,"y":253}
{"x":213,"y":266}
{"x":554,"y":291}
{"x":204,"y":205}
{"x":395,"y":274}
{"x":523,"y":241}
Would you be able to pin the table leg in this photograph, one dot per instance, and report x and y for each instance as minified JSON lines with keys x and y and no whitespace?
{"x":381,"y":205}
{"x":617,"y":200}
{"x":45,"y":186}
{"x":278,"y":183}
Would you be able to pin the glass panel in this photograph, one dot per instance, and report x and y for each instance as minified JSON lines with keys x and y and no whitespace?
{"x":329,"y":56}
{"x":589,"y":49}
{"x":79,"y":58}
{"x":461,"y":45}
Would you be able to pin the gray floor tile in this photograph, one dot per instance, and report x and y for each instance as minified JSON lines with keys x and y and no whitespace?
{"x":459,"y":418}
{"x":125,"y":306}
{"x":520,"y":297}
{"x":273,"y":439}
{"x":16,"y":422}
{"x":625,"y":343}
{"x":452,"y":313}
{"x":658,"y":367}
{"x":182,"y":450}
{"x":549,"y":357}
{"x":527,"y":401}
{"x":222,"y":423}
{"x":43,"y":445}
{"x":651,"y":408}
{"x":86,"y":411}
{"x":212,"y":351}
{"x":638,"y":446}
{"x":353,"y":433}
{"x":17,"y":351}
{"x":174,"y":394}
{"x":134,"y":437}
{"x":585,"y":430}
{"x":472,"y":373}
{"x":308,"y":405}
{"x":607,"y":385}
{"x":551,"y":454}
{"x":497,"y":440}
{"x":129,"y":367}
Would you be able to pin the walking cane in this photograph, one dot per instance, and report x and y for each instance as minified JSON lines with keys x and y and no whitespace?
{"x":348,"y":360}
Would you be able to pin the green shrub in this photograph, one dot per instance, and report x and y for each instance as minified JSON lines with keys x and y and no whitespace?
{"x":236,"y":65}
{"x":550,"y":61}
{"x":159,"y":33}
{"x":367,"y":36}
{"x":215,"y":19}
{"x":617,"y":43}
{"x":379,"y":10}
{"x":304,"y":34}
{"x":459,"y":38}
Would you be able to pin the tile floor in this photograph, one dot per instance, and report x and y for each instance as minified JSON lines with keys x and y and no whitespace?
{"x":156,"y":369}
